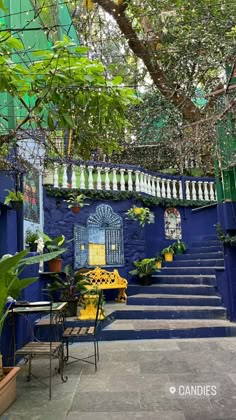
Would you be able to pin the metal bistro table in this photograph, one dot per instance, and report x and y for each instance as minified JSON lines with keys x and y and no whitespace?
{"x":53,"y":348}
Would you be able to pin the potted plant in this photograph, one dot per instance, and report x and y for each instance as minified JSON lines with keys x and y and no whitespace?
{"x":30,"y":239}
{"x":141,"y":214}
{"x":179,"y":247}
{"x":15,"y":199}
{"x":144,"y":269}
{"x":11,"y":285}
{"x":76,"y":202}
{"x":70,"y":286}
{"x":158,"y":261}
{"x":52,"y":245}
{"x":168,"y":253}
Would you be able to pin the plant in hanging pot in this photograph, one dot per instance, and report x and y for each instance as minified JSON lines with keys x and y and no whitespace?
{"x":15,"y":199}
{"x":52,"y":245}
{"x":31,"y":238}
{"x":168,"y":253}
{"x":11,"y":286}
{"x":179,"y":247}
{"x":141,"y":214}
{"x":76,"y":202}
{"x":144,"y":270}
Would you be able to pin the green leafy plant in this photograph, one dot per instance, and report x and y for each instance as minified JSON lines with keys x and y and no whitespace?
{"x":144,"y":269}
{"x":53,"y":244}
{"x":76,"y":200}
{"x":168,"y":250}
{"x":31,"y":236}
{"x":71,"y":286}
{"x":226,"y":239}
{"x":158,"y":258}
{"x":179,"y":247}
{"x":14,"y":196}
{"x":141,"y":214}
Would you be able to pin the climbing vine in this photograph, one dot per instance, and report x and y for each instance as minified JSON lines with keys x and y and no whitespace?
{"x":226,"y":239}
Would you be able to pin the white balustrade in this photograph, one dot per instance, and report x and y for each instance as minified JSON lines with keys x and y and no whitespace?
{"x":187,"y":191}
{"x":194,"y":193}
{"x":168,"y":190}
{"x":130,"y":181}
{"x":64,"y":176}
{"x":82,"y":180}
{"x":142,"y":182}
{"x":114,"y":180}
{"x":174,"y":191}
{"x":163,"y":187}
{"x":145,"y":185}
{"x":200,"y":196}
{"x":180,"y":190}
{"x":73,"y":176}
{"x":206,"y":192}
{"x":90,"y":178}
{"x":56,"y":177}
{"x":107,"y":179}
{"x":149,"y":187}
{"x":99,"y":180}
{"x":212,"y":193}
{"x":137,"y":183}
{"x":158,"y":187}
{"x":122,"y":180}
{"x":153,"y":186}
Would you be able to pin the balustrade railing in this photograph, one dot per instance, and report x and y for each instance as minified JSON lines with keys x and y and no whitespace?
{"x":108,"y":177}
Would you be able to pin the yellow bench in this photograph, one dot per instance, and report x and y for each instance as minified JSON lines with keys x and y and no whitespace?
{"x":103,"y":280}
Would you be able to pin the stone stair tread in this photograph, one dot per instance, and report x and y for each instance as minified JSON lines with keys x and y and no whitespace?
{"x":195,"y":276}
{"x":156,"y":324}
{"x":121,"y":307}
{"x":203,"y":286}
{"x":194,"y":268}
{"x":166,"y":295}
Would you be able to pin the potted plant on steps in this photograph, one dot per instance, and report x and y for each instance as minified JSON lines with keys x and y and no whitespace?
{"x":76,"y":202}
{"x":168,"y":253}
{"x":144,"y":270}
{"x":15,"y":199}
{"x":52,"y":245}
{"x":179,"y":247}
{"x":11,"y":285}
{"x":158,"y":261}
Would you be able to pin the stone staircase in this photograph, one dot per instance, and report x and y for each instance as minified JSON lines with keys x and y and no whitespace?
{"x":182,"y":302}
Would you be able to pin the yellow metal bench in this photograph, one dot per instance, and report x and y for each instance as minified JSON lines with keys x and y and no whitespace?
{"x":103,"y":280}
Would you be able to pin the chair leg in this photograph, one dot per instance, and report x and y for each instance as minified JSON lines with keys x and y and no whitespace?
{"x":95,"y":355}
{"x":29,"y":370}
{"x":50,"y":377}
{"x":97,"y":350}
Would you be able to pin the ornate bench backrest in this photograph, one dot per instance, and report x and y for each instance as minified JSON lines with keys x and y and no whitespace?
{"x":99,"y":276}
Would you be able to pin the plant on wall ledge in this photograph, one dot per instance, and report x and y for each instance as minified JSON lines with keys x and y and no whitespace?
{"x":76,"y":202}
{"x":141,"y":214}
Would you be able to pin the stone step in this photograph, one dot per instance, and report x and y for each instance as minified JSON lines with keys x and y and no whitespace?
{"x":185,"y":289}
{"x":195,"y":263}
{"x":140,"y":329}
{"x":204,"y":249}
{"x":206,"y":243}
{"x":161,"y":278}
{"x":202,"y":255}
{"x":190,"y":270}
{"x":166,"y":299}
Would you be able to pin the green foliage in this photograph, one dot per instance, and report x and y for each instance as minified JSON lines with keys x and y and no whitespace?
{"x":226,"y":239}
{"x":31,"y":236}
{"x":76,"y":200}
{"x":179,"y":247}
{"x":144,"y":267}
{"x":53,"y":244}
{"x":141,"y":214}
{"x":70,"y":287}
{"x":168,"y":250}
{"x":14,"y":196}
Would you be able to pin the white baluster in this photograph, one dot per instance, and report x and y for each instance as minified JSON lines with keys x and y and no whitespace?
{"x":153,"y":186}
{"x":163,"y":187}
{"x":141,"y":182}
{"x":99,"y":181}
{"x":137,"y":183}
{"x":90,"y":178}
{"x":212,"y":194}
{"x":180,"y":190}
{"x":206,"y":192}
{"x":194,"y":193}
{"x":130,"y":181}
{"x":168,"y":191}
{"x":114,"y":180}
{"x":56,"y":178}
{"x":187,"y":191}
{"x":158,"y":187}
{"x":64,"y":176}
{"x":145,"y":184}
{"x":82,"y":180}
{"x":73,"y":176}
{"x":200,"y":196}
{"x":149,"y":187}
{"x":122,"y":180}
{"x":107,"y":180}
{"x":174,"y":191}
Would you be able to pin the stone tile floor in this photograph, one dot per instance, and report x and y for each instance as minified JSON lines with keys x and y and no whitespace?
{"x":145,"y":379}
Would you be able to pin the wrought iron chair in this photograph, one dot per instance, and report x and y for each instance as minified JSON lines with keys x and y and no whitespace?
{"x":53,"y":348}
{"x":85,"y":332}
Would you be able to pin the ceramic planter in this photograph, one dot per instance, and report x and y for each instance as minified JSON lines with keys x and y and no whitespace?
{"x":158,"y":264}
{"x":55,"y":265}
{"x":75,"y":209}
{"x":8,"y":388}
{"x":168,"y":256}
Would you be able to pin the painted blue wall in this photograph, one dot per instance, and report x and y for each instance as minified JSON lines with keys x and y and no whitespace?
{"x":8,"y":217}
{"x":138,"y":242}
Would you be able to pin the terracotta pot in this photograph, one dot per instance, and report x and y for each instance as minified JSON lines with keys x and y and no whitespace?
{"x":55,"y":265}
{"x":75,"y":209}
{"x":8,"y":388}
{"x":168,"y":257}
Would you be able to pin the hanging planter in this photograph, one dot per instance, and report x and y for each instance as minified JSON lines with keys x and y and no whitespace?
{"x":76,"y":202}
{"x":15,"y":199}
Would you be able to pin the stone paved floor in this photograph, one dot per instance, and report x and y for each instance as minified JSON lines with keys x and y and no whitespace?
{"x":148,"y":379}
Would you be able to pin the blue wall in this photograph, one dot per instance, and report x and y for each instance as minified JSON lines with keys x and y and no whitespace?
{"x":8,"y":217}
{"x":138,"y":242}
